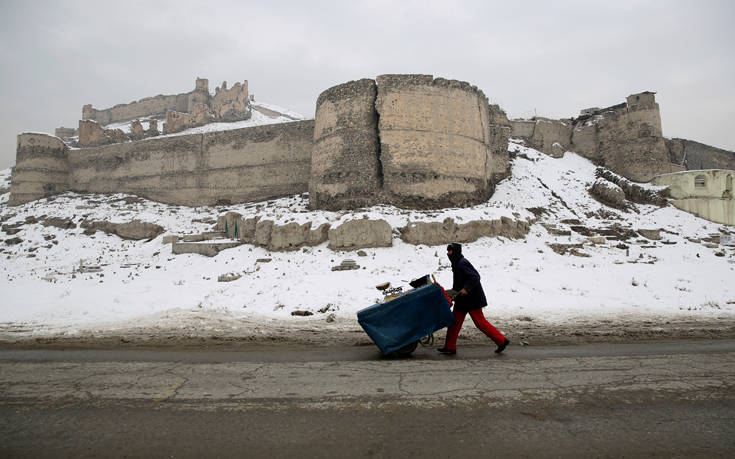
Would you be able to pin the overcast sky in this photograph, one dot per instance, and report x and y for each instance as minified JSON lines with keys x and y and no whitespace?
{"x":531,"y":57}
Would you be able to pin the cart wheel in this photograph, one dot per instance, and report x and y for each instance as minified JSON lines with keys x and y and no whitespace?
{"x":427,"y":340}
{"x":406,"y":350}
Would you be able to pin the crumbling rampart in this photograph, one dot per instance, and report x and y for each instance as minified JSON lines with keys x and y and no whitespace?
{"x":345,"y":160}
{"x":181,"y":111}
{"x":413,"y":141}
{"x":407,"y":140}
{"x":149,"y":106}
{"x":626,"y":138}
{"x":235,"y":166}
{"x":41,"y":168}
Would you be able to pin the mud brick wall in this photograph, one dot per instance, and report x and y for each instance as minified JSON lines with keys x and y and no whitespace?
{"x":416,"y":142}
{"x":241,"y":165}
{"x":345,"y":162}
{"x":41,"y":168}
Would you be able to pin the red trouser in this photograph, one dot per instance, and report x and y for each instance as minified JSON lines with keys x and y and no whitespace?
{"x":480,"y":322}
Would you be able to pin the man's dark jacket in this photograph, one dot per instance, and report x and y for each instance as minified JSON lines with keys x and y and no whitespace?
{"x":465,"y":276}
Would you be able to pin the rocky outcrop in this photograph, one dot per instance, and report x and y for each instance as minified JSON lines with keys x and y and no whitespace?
{"x":58,"y":222}
{"x":652,"y":234}
{"x":440,"y":233}
{"x":608,"y":193}
{"x":632,"y":191}
{"x":136,"y":229}
{"x":360,"y":234}
{"x":695,"y":155}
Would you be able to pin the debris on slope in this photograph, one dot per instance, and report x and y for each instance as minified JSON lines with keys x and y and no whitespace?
{"x":633,"y":192}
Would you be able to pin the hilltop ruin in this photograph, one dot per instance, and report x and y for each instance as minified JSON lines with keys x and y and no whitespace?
{"x":412,"y":141}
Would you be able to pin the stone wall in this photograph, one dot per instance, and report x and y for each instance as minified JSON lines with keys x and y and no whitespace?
{"x":626,"y":138}
{"x":150,"y":106}
{"x":415,"y":142}
{"x":630,"y":142}
{"x":240,"y":165}
{"x":65,"y":132}
{"x":553,"y":137}
{"x":92,"y":134}
{"x":226,"y":105}
{"x":522,"y":128}
{"x":712,"y":183}
{"x":434,"y":141}
{"x":231,"y":104}
{"x":345,"y":162}
{"x":41,"y":168}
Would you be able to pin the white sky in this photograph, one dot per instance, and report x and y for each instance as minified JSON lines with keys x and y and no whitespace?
{"x":548,"y":58}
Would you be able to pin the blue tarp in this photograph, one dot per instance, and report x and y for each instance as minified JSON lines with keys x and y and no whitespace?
{"x":406,"y":319}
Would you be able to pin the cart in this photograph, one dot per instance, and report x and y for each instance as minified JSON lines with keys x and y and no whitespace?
{"x":396,"y":326}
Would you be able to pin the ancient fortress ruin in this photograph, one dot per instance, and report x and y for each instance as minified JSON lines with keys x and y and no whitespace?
{"x":407,"y":140}
{"x":626,"y":138}
{"x":412,"y":141}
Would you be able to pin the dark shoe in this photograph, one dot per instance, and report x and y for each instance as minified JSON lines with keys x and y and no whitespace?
{"x":501,"y":348}
{"x":446,"y":351}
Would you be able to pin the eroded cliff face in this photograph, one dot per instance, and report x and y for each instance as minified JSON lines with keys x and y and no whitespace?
{"x":408,"y":140}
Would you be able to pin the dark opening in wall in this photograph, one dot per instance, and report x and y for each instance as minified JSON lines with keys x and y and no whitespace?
{"x":700,"y":181}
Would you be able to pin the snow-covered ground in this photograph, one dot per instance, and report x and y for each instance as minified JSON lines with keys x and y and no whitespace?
{"x":142,"y":286}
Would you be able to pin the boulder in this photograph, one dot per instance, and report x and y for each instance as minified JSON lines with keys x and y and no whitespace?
{"x":608,"y":193}
{"x":290,"y":236}
{"x":57,"y":222}
{"x":652,"y":234}
{"x":263,"y":232}
{"x":246,"y":228}
{"x":633,"y":192}
{"x":136,"y":229}
{"x":360,"y":234}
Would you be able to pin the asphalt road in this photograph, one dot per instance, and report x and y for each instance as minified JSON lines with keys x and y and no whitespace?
{"x":668,"y":399}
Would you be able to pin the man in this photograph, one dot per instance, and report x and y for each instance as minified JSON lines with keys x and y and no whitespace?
{"x":469,"y":299}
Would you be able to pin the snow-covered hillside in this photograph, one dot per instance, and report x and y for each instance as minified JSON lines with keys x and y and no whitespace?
{"x":143,"y":286}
